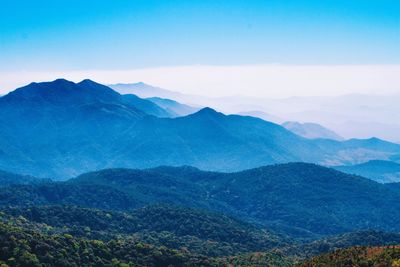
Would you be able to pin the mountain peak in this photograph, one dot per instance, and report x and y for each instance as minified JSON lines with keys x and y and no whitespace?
{"x":61,"y":80}
{"x":207,"y":112}
{"x":87,"y":81}
{"x":63,"y":91}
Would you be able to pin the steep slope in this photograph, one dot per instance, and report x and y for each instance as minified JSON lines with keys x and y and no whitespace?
{"x":48,"y":128}
{"x":311,"y":130}
{"x":173,"y":107}
{"x":297,"y":199}
{"x":62,"y":92}
{"x":377,"y":170}
{"x":147,"y":106}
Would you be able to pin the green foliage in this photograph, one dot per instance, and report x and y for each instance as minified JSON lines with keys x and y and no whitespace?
{"x":26,"y":248}
{"x":296,"y":199}
{"x":270,"y":259}
{"x":198,"y":231}
{"x":156,"y":236}
{"x":96,"y":196}
{"x":360,"y":238}
{"x":357,"y":256}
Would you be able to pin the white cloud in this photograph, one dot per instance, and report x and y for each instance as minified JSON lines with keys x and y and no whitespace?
{"x":250,"y":80}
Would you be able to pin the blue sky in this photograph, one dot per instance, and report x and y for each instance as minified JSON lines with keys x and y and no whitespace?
{"x":81,"y":35}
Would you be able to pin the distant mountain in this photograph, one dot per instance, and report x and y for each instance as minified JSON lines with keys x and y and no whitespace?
{"x":350,"y":116}
{"x":311,"y":130}
{"x":144,"y":90}
{"x":149,"y":107}
{"x":60,"y":129}
{"x":262,"y":115}
{"x":378,"y":170}
{"x":297,"y":199}
{"x":173,"y":107}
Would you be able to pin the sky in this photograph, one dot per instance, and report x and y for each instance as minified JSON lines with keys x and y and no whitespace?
{"x":278,"y":48}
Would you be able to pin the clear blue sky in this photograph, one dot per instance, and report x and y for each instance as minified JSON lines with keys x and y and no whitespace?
{"x":69,"y":35}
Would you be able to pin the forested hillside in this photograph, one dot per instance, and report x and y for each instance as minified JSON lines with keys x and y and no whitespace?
{"x":378,"y":170}
{"x":297,"y":199}
{"x":357,"y":256}
{"x":23,"y":247}
{"x":198,"y":231}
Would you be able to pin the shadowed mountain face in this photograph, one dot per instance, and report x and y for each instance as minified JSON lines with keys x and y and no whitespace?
{"x":60,"y":129}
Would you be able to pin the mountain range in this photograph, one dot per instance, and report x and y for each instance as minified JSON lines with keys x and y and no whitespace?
{"x":296,"y":199}
{"x":60,"y":129}
{"x":274,"y":215}
{"x":378,"y":170}
{"x":311,"y":130}
{"x":350,"y":116}
{"x":144,"y":90}
{"x":175,"y":108}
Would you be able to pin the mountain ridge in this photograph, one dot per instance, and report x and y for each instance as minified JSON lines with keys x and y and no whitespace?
{"x":296,"y":199}
{"x":93,"y":127}
{"x":311,"y":130}
{"x":383,"y":171}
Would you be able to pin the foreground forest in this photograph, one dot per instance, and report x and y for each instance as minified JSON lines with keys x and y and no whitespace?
{"x":295,"y":199}
{"x":357,"y":256}
{"x":166,"y":236}
{"x":276,"y":215}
